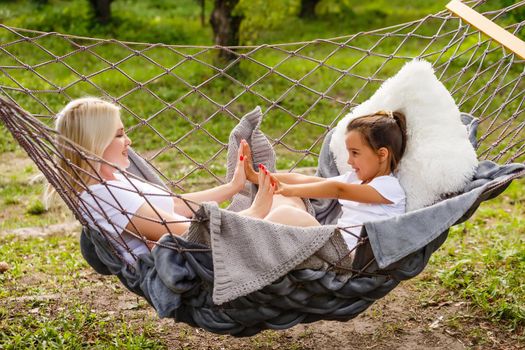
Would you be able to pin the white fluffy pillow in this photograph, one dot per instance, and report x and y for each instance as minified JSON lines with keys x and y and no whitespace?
{"x":439,"y":158}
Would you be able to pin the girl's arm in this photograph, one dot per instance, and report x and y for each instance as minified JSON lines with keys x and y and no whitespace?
{"x":295,"y":178}
{"x":333,"y":189}
{"x":217,"y":194}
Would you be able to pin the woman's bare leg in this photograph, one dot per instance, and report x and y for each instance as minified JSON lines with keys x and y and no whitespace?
{"x":254,"y":177}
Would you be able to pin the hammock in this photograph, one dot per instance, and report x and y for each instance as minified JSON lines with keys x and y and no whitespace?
{"x":304,"y":88}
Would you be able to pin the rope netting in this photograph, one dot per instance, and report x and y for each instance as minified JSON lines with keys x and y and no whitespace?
{"x":46,"y":147}
{"x":179,"y":103}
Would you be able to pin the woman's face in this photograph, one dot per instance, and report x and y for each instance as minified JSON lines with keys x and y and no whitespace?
{"x":117,"y":151}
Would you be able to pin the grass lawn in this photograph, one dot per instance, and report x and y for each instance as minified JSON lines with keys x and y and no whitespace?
{"x":50,"y":297}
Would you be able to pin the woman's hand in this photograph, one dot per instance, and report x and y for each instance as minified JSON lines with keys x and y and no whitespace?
{"x":239,"y":176}
{"x":251,"y":174}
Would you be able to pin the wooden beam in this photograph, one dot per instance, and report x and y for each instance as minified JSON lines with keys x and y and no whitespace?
{"x":488,"y":27}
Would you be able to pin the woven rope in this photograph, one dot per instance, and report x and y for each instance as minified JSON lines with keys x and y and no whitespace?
{"x":184,"y":102}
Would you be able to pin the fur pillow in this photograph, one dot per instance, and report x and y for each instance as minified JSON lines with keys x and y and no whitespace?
{"x":439,"y":159}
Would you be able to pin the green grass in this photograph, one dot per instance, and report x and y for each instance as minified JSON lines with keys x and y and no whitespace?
{"x":76,"y":330}
{"x":21,"y":195}
{"x":483,"y":259}
{"x":32,"y":257}
{"x":220,"y":91}
{"x":40,"y":308}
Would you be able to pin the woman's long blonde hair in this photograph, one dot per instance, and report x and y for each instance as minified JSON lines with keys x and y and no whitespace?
{"x":90,"y":123}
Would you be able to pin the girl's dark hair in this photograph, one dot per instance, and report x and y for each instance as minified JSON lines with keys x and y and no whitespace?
{"x":383,"y":129}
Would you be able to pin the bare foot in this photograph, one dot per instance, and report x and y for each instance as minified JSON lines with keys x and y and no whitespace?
{"x":264,"y":198}
{"x":251,"y":174}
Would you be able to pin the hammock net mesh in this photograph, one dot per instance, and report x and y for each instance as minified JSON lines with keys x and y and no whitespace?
{"x":183,"y":101}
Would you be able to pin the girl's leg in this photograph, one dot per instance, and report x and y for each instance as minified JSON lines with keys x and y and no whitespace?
{"x":263,"y":201}
{"x":291,"y":215}
{"x":279,"y":200}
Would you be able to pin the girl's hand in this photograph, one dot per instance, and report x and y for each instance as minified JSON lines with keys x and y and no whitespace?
{"x":283,"y":189}
{"x":239,"y":176}
{"x":251,"y":174}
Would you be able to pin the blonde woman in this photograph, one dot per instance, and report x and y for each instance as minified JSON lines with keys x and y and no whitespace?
{"x":125,"y":207}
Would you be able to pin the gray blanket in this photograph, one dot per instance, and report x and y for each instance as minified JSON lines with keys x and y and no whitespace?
{"x":249,"y":254}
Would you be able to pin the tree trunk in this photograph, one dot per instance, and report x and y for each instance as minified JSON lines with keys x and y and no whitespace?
{"x":225,"y":26}
{"x":308,"y":8}
{"x":203,"y":12}
{"x":102,"y":9}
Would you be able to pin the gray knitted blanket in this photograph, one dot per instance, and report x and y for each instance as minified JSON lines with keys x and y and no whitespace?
{"x":249,"y":254}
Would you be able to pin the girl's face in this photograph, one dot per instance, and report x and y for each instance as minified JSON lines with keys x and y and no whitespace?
{"x":366,"y":162}
{"x":117,"y":151}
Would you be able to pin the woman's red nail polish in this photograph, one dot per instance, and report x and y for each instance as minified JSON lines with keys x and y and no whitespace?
{"x":260,"y":166}
{"x":242,"y":157}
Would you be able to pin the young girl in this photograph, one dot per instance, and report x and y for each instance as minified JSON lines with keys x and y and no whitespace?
{"x":375,"y":145}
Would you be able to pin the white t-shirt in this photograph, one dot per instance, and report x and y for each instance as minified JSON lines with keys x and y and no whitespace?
{"x":356,"y":213}
{"x":120,"y":200}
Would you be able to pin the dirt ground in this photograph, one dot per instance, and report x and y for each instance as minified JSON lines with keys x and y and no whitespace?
{"x":398,"y":321}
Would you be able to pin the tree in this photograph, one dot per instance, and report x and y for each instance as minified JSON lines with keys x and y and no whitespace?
{"x":203,"y":10}
{"x":102,"y":9}
{"x":225,"y":24}
{"x":263,"y":16}
{"x":308,"y":8}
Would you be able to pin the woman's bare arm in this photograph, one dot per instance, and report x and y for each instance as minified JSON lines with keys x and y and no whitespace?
{"x":217,"y":194}
{"x":147,"y":222}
